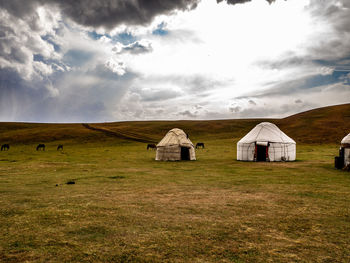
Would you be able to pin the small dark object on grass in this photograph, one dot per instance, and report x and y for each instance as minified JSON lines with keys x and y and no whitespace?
{"x":151,"y":146}
{"x":200,"y":144}
{"x":70,"y":182}
{"x":347,"y":168}
{"x":60,"y":147}
{"x":56,"y":184}
{"x":40,"y":146}
{"x":117,"y":177}
{"x":5,"y":147}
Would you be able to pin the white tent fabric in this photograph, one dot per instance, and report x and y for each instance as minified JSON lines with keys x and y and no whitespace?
{"x":346,"y":139}
{"x":345,"y":143}
{"x":280,"y":146}
{"x":172,"y":146}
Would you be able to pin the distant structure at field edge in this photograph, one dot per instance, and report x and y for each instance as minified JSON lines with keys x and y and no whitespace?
{"x":344,"y":153}
{"x":175,"y":146}
{"x":266,"y":143}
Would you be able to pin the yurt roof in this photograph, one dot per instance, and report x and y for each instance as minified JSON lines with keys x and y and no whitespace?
{"x":175,"y":137}
{"x":266,"y":132}
{"x":346,"y":139}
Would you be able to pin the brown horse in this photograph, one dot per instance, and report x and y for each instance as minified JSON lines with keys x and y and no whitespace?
{"x":152,"y":146}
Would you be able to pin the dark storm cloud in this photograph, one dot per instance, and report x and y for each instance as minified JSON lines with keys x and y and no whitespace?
{"x":109,"y":13}
{"x":104,"y":13}
{"x":233,"y":2}
{"x":20,"y":8}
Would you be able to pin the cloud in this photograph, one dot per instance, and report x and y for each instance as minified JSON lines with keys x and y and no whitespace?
{"x":122,"y":60}
{"x":103,"y":13}
{"x":235,"y":109}
{"x":304,"y":84}
{"x":20,"y":42}
{"x":76,"y":57}
{"x":233,"y":2}
{"x":187,"y":113}
{"x":283,"y":110}
{"x":252,"y":102}
{"x":154,"y":94}
{"x":333,"y":16}
{"x":135,"y":48}
{"x":282,"y":103}
{"x":160,"y":30}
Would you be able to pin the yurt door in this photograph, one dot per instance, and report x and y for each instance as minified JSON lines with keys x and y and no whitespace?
{"x":185,"y":153}
{"x":261,"y":151}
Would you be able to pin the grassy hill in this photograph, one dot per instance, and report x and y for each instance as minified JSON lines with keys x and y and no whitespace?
{"x":323,"y":125}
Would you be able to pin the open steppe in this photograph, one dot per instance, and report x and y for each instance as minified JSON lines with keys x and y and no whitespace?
{"x":126,"y":207}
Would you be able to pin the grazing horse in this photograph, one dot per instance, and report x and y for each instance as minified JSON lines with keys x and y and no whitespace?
{"x":60,"y":147}
{"x":5,"y":147}
{"x":40,"y":147}
{"x":200,"y":144}
{"x":151,"y":145}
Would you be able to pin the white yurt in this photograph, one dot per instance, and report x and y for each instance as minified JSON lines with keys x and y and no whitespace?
{"x":345,"y":149}
{"x":175,"y":146}
{"x":266,"y":142}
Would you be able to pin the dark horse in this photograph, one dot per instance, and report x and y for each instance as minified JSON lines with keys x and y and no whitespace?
{"x":5,"y":147}
{"x":151,"y":145}
{"x":200,"y":144}
{"x":40,"y":147}
{"x":60,"y":147}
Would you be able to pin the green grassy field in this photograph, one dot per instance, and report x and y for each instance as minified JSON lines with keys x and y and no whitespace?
{"x":127,"y":207}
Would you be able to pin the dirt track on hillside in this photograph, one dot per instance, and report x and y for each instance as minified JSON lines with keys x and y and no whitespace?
{"x":117,"y":134}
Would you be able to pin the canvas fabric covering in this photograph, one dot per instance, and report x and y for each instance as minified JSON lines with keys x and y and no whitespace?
{"x":280,"y":146}
{"x":169,"y":148}
{"x":345,"y":143}
{"x":347,"y":156}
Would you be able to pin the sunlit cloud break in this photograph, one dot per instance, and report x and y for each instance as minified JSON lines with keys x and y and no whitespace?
{"x":111,"y":60}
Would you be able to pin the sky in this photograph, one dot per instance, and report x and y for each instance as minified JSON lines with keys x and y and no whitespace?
{"x":117,"y":60}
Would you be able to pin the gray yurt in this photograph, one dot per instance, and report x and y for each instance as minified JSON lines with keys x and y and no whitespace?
{"x":175,"y":146}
